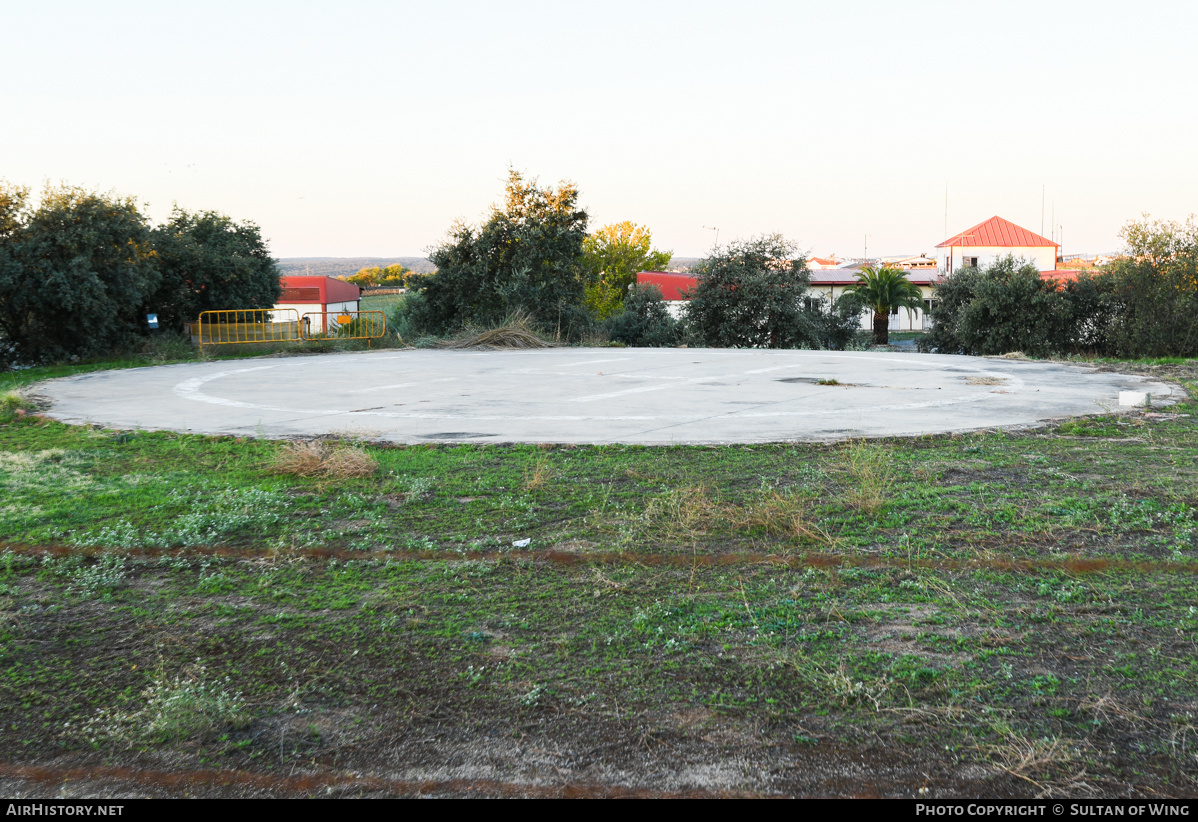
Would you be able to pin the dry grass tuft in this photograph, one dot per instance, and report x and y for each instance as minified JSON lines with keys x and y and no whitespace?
{"x":515,"y":333}
{"x":693,"y":510}
{"x":873,"y":476}
{"x":777,"y":512}
{"x":986,"y":380}
{"x":18,"y":401}
{"x":1043,"y":762}
{"x":684,"y":511}
{"x":539,"y":473}
{"x":325,"y":460}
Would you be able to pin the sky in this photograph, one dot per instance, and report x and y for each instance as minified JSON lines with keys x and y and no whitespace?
{"x":368,"y":128}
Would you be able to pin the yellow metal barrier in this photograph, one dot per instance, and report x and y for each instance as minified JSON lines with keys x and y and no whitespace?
{"x":248,"y":325}
{"x":343,"y":325}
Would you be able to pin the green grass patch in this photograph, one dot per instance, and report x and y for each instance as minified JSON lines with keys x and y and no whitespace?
{"x":1023,"y":601}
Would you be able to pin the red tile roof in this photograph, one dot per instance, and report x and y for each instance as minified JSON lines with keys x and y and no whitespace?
{"x":672,"y":284}
{"x":997,"y":232}
{"x":302,"y":289}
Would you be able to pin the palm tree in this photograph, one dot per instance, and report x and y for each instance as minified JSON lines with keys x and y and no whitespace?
{"x":883,"y":290}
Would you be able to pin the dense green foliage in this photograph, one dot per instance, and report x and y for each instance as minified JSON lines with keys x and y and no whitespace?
{"x":753,"y":294}
{"x":79,"y":272}
{"x":526,"y":258}
{"x":1144,"y":305}
{"x":1156,"y":290}
{"x":883,"y":290}
{"x":613,"y":256}
{"x":208,"y":263}
{"x":1008,"y":307}
{"x":74,"y":274}
{"x":839,"y":325}
{"x":643,"y":321}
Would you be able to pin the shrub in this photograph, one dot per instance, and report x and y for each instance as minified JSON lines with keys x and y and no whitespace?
{"x":751,"y":294}
{"x":74,"y":274}
{"x":645,"y":322}
{"x":1008,"y":307}
{"x":1155,"y":290}
{"x":838,"y":326}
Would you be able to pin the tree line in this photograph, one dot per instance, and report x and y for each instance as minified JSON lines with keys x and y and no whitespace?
{"x":80,"y":272}
{"x":1142,"y":304}
{"x":534,"y":257}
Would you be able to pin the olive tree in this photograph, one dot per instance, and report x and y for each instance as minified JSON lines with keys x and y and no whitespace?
{"x":752,"y":294}
{"x":75,"y":273}
{"x":209,"y":262}
{"x":527,"y":258}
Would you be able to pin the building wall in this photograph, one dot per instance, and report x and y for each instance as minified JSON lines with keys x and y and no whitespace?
{"x":1043,"y":257}
{"x":904,"y":320}
{"x":318,"y":323}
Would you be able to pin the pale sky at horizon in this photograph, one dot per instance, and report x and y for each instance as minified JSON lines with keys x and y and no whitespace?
{"x":366,"y":129}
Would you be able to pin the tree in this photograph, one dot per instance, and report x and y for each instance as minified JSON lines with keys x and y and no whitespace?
{"x":74,"y":274}
{"x":393,"y":276}
{"x":751,"y":294}
{"x":1008,"y":306}
{"x":613,"y":256}
{"x":1155,"y":286}
{"x":883,"y":290}
{"x":526,"y":258}
{"x":1014,"y":309}
{"x":209,"y":262}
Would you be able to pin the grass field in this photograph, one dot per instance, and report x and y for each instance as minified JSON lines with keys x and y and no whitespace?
{"x":381,"y":302}
{"x":993,"y":614}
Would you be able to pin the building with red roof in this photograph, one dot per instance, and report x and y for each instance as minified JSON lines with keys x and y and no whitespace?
{"x":825,"y":284}
{"x":320,"y":296}
{"x":992,"y":240}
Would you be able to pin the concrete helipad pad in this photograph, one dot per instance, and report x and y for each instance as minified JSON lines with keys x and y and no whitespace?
{"x":601,"y":395}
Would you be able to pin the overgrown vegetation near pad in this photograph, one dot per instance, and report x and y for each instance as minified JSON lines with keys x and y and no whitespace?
{"x":994,"y":614}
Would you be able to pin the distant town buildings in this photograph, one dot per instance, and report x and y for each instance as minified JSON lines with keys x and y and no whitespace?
{"x":992,"y":240}
{"x":979,"y":246}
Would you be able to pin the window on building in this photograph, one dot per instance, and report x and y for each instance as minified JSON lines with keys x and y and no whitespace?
{"x":969,"y":262}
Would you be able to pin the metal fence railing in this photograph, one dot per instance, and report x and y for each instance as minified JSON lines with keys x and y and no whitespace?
{"x":343,"y":325}
{"x":247,"y":325}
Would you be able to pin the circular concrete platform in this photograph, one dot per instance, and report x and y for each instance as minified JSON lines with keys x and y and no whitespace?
{"x":597,"y":395}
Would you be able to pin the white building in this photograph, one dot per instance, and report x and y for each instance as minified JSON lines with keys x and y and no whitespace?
{"x":992,"y":240}
{"x":321,"y":298}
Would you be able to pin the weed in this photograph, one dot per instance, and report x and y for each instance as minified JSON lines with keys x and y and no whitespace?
{"x":539,"y":473}
{"x":1038,"y":761}
{"x":533,"y":696}
{"x":186,"y":706}
{"x":221,"y":515}
{"x":847,"y":690}
{"x":318,"y":458}
{"x":14,"y":400}
{"x":103,"y":575}
{"x":683,"y":511}
{"x":784,"y":513}
{"x":873,"y":475}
